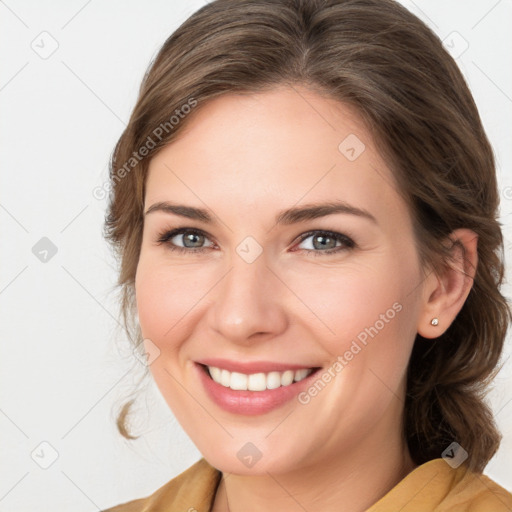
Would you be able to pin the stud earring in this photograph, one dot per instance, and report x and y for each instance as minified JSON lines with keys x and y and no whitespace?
{"x":434,"y":321}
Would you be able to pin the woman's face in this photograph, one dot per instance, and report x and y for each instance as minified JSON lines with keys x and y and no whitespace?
{"x":257,"y":289}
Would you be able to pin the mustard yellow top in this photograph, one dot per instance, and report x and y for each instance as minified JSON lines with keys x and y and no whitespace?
{"x":432,"y":487}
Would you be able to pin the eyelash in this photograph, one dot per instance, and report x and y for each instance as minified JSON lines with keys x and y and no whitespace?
{"x":165,"y":237}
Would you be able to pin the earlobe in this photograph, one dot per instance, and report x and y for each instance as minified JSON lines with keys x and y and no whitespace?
{"x":446,"y":291}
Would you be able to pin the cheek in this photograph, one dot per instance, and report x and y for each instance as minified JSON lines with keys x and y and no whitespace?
{"x":368,"y":327}
{"x":361,"y":301}
{"x":165,"y":296}
{"x":371,"y":311}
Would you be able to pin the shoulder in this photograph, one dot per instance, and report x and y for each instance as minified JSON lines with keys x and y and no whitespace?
{"x":193,"y":490}
{"x":476,"y":492}
{"x":462,"y":490}
{"x":437,"y":486}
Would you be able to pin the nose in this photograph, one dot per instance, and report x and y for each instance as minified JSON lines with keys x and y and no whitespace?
{"x":248,"y":303}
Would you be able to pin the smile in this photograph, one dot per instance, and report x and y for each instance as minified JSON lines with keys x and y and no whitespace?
{"x":252,"y":388}
{"x":257,"y":381}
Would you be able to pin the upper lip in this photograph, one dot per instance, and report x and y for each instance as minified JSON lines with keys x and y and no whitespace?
{"x":249,"y":367}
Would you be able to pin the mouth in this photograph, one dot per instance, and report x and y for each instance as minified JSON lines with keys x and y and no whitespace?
{"x":253,"y":388}
{"x":259,"y":381}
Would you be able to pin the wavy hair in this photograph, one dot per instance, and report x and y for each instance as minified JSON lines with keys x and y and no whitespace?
{"x":381,"y":59}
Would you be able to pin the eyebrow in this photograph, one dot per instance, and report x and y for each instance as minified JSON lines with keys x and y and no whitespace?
{"x":289,"y":216}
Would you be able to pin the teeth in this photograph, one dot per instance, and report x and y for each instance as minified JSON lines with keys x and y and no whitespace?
{"x":287,"y":377}
{"x":273,"y":380}
{"x":257,"y":381}
{"x":301,"y":374}
{"x":238,"y":381}
{"x":225,"y":378}
{"x":215,"y":373}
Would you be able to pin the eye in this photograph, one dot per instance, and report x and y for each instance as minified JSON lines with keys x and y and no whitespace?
{"x":183,"y":240}
{"x":187,"y":240}
{"x":326,"y":242}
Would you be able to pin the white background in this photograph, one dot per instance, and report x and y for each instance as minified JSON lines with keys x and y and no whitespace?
{"x":65,"y":364}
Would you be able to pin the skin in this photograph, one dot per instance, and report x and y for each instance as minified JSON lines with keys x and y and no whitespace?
{"x":244,"y":159}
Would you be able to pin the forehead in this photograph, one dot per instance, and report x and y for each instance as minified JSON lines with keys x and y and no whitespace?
{"x":272,"y":150}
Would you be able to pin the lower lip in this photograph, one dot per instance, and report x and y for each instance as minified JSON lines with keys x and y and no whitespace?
{"x":250,"y":403}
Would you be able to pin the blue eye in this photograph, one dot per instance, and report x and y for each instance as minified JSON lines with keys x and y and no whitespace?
{"x":189,"y":240}
{"x":328,"y":242}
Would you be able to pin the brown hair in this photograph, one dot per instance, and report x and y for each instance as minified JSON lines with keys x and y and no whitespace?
{"x":379,"y":58}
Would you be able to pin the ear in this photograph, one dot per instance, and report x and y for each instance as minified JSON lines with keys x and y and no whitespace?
{"x":445,"y":291}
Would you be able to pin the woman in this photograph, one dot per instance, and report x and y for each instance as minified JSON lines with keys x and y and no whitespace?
{"x":304,"y":205}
